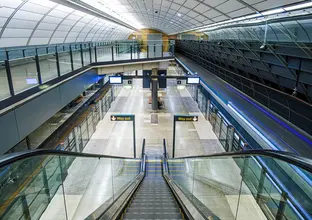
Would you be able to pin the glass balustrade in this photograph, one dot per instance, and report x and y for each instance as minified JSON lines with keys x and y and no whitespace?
{"x":60,"y":186}
{"x":243,"y":187}
{"x":24,"y":68}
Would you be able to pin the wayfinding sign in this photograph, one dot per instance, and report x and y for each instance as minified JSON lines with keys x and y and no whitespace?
{"x":191,"y":118}
{"x":126,"y":117}
{"x":122,"y":117}
{"x":181,"y":118}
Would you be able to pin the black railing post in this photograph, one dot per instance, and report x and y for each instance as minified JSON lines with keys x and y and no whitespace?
{"x":112,"y":53}
{"x":9,"y":74}
{"x":71,"y":57}
{"x":281,"y":207}
{"x":95,"y":53}
{"x":23,"y":51}
{"x":47,"y":50}
{"x":38,"y":67}
{"x":131,"y":52}
{"x":147,"y":50}
{"x":154,"y":50}
{"x":57,"y":62}
{"x":90,"y":52}
{"x":25,"y":206}
{"x":81,"y":55}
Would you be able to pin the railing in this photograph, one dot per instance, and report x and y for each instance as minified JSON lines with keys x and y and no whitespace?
{"x":241,"y":184}
{"x":41,"y":183}
{"x":25,"y":68}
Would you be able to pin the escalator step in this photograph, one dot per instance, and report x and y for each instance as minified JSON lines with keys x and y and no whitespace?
{"x":152,"y":216}
{"x":151,"y":209}
{"x":156,"y":204}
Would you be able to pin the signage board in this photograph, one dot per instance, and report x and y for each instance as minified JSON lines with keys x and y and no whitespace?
{"x":183,"y":118}
{"x":126,"y":117}
{"x":115,"y":80}
{"x":192,"y":80}
{"x":186,"y":118}
{"x":122,"y":117}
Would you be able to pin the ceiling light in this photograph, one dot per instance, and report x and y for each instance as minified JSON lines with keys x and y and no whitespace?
{"x":274,"y":11}
{"x":253,"y":16}
{"x":304,"y":5}
{"x":263,"y":46}
{"x":179,"y":15}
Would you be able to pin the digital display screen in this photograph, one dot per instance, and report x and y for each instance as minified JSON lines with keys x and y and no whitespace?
{"x":31,"y":81}
{"x":115,"y":80}
{"x":192,"y":80}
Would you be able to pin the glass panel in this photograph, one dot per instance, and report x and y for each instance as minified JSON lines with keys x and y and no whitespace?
{"x":86,"y":57}
{"x":27,"y":191}
{"x":251,"y":187}
{"x":77,"y":59}
{"x":48,"y":67}
{"x":24,"y":74}
{"x":65,"y":64}
{"x":4,"y":86}
{"x":123,"y":172}
{"x":104,"y":53}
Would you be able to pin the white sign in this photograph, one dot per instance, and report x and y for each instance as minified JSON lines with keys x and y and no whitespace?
{"x":115,"y":80}
{"x":192,"y":80}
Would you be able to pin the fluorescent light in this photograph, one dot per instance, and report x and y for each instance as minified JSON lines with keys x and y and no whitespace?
{"x":294,"y":7}
{"x":253,"y":16}
{"x":274,"y":11}
{"x":179,"y":15}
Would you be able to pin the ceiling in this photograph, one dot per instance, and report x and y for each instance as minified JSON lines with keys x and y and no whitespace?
{"x":34,"y":22}
{"x":175,"y":16}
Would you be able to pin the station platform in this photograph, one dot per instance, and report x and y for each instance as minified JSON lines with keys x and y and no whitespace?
{"x":273,"y":131}
{"x":115,"y":138}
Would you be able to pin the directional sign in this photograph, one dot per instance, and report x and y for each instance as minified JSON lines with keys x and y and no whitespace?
{"x":189,"y":118}
{"x":122,"y":117}
{"x":183,"y":118}
{"x":127,"y":118}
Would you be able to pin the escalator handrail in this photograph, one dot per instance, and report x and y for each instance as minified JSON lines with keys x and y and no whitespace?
{"x":14,"y":157}
{"x":299,"y":161}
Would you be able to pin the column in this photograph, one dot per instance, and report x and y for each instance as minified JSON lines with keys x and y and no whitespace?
{"x":154,"y":85}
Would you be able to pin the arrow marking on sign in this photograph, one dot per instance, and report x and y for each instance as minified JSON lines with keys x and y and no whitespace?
{"x":113,"y":118}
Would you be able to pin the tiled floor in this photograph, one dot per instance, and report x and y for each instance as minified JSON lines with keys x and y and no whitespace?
{"x":94,"y":184}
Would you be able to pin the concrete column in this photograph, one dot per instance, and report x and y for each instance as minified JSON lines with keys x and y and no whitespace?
{"x":154,"y":93}
{"x":154,"y":86}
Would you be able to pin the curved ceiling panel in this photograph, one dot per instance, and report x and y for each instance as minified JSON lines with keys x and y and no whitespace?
{"x":34,"y":22}
{"x":176,"y":16}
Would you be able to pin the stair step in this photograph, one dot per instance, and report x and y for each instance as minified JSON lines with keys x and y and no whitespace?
{"x":148,"y":204}
{"x":152,"y":216}
{"x":153,"y":209}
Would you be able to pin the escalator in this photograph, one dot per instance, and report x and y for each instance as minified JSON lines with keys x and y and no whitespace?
{"x":50,"y":184}
{"x":153,"y":200}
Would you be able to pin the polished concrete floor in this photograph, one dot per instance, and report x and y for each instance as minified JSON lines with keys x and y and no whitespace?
{"x":92,"y":182}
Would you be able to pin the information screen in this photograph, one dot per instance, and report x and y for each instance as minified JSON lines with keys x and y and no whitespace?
{"x":115,"y":80}
{"x":192,"y":80}
{"x":31,"y":81}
